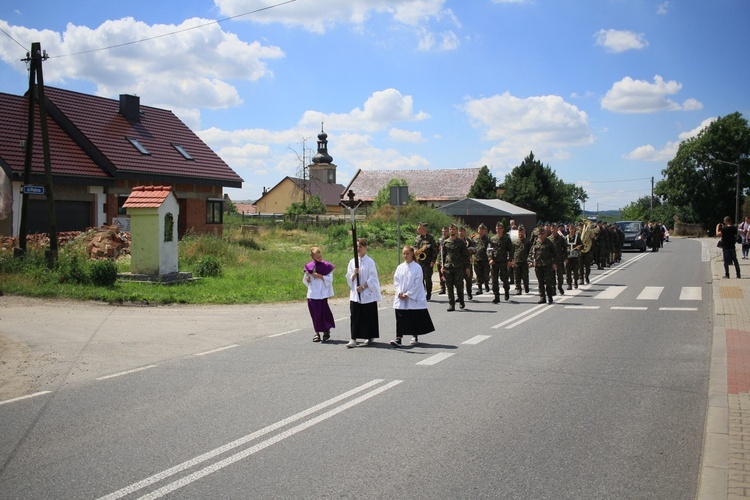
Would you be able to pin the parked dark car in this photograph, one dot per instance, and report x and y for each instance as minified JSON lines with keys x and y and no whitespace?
{"x":635,"y":238}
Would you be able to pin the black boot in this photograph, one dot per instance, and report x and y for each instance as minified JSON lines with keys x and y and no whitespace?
{"x":496,"y":300}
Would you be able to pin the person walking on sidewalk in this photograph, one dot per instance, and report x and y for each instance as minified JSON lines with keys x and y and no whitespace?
{"x":744,"y":229}
{"x":410,"y":301}
{"x":319,"y":281}
{"x":364,"y":295}
{"x":728,"y":233}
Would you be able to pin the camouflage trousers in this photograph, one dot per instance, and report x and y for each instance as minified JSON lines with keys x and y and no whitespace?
{"x":500,"y":273}
{"x":521,"y":276}
{"x":545,"y":275}
{"x":454,"y":279}
{"x":482,"y":272}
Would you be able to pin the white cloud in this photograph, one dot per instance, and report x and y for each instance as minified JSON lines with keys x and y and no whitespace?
{"x":620,"y":41}
{"x":639,"y":96}
{"x":265,"y":156}
{"x":448,"y":40}
{"x":545,"y":124}
{"x":189,"y":65}
{"x":400,"y":135}
{"x":321,"y":15}
{"x":662,"y":8}
{"x":380,"y":110}
{"x":668,"y":152}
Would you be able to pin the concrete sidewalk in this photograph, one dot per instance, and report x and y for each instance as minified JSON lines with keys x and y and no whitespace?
{"x":725,"y":470}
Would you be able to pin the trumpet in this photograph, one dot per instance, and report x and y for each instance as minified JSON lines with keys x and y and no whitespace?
{"x":421,"y":253}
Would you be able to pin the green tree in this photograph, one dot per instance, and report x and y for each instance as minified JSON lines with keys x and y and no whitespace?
{"x":700,"y":182}
{"x":535,"y":187}
{"x":384,"y":195}
{"x":485,"y":187}
{"x":313,"y":206}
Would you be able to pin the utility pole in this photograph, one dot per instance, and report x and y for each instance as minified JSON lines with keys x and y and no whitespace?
{"x":36,"y":94}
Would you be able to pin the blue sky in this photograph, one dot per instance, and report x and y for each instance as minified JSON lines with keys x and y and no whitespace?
{"x":602,"y":91}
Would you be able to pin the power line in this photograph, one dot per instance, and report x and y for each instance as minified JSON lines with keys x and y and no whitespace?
{"x":19,"y":43}
{"x":174,"y":32}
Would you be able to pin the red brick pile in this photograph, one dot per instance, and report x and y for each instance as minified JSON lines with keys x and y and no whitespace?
{"x":106,"y":242}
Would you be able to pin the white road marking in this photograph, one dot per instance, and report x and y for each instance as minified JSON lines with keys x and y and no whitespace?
{"x":520,"y":315}
{"x":678,"y":308}
{"x":435,"y":359}
{"x":283,"y":333}
{"x":581,"y":307}
{"x":246,"y":439}
{"x":191,"y":478}
{"x":611,"y":292}
{"x":216,"y":350}
{"x":650,"y":293}
{"x":21,"y":398}
{"x":476,"y":340}
{"x":691,"y":293}
{"x":627,"y":308}
{"x":534,"y":311}
{"x":127,"y":372}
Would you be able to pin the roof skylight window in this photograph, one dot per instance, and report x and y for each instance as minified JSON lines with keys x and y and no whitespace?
{"x":182,"y":151}
{"x":137,"y":145}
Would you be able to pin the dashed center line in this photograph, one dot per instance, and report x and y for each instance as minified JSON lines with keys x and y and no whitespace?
{"x":41,"y":393}
{"x":476,"y":340}
{"x":106,"y":377}
{"x":435,"y":359}
{"x":216,"y":350}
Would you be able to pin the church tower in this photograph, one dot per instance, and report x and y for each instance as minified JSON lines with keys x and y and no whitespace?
{"x":322,"y":168}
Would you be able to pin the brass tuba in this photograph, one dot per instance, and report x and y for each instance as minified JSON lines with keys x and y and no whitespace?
{"x":588,"y":235}
{"x":421,"y":253}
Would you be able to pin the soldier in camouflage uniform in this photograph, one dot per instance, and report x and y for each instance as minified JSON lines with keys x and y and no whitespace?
{"x":544,"y":256}
{"x":440,"y":259}
{"x":455,"y":267}
{"x":572,"y":264}
{"x":587,"y":258}
{"x":481,"y":260}
{"x":500,"y":253}
{"x":521,"y":249}
{"x":426,"y":241}
{"x":562,"y":253}
{"x":470,"y":247}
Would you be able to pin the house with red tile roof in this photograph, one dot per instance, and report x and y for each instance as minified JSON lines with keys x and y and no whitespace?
{"x":436,"y":187}
{"x":100,"y":150}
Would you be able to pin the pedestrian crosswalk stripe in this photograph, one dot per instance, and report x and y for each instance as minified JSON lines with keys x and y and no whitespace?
{"x":678,"y":308}
{"x":690,"y":293}
{"x":651,"y":293}
{"x":581,"y":307}
{"x":626,"y":308}
{"x":610,"y":292}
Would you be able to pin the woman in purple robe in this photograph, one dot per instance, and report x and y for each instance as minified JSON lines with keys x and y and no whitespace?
{"x":319,"y":281}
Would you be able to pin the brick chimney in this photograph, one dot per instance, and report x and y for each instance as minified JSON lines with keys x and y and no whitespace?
{"x":130,"y":107}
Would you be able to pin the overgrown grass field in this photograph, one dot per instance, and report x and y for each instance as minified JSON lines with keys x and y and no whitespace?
{"x":261,"y":267}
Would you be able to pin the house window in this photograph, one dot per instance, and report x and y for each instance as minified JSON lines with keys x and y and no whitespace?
{"x":214,"y":211}
{"x":137,"y":145}
{"x":182,"y":151}
{"x":121,"y":199}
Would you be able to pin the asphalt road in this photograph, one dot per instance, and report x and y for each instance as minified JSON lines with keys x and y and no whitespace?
{"x":601,"y":395}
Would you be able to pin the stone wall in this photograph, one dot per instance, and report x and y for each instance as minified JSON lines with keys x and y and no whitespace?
{"x":682,"y":229}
